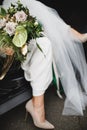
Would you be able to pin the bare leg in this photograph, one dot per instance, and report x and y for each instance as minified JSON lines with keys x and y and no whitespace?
{"x":35,"y":107}
{"x":80,"y":36}
{"x":38,"y":103}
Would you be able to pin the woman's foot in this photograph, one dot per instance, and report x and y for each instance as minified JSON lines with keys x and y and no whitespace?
{"x":38,"y":116}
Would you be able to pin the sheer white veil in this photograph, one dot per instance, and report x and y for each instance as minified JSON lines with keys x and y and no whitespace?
{"x":68,"y":55}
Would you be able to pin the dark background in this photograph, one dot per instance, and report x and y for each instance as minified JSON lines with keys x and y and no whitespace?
{"x":74,"y":12}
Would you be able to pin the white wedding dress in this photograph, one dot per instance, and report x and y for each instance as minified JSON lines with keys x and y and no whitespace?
{"x":68,"y":55}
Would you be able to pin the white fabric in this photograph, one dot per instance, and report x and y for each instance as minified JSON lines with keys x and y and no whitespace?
{"x":68,"y":55}
{"x":38,"y":66}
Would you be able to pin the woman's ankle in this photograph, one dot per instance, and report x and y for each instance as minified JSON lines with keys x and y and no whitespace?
{"x":40,"y":113}
{"x":39,"y":110}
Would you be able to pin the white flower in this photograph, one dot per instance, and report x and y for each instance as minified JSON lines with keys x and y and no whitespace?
{"x":24,"y":49}
{"x":10,"y":28}
{"x":2,"y":23}
{"x":36,"y":23}
{"x":20,"y":16}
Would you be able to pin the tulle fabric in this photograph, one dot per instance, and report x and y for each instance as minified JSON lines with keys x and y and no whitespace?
{"x":68,"y":55}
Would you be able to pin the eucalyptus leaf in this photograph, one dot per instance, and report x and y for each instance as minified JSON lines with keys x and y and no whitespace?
{"x":1,"y":39}
{"x":40,"y":48}
{"x":2,"y":11}
{"x":5,"y":39}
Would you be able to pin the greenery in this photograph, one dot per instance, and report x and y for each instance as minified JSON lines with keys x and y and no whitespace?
{"x":17,"y":28}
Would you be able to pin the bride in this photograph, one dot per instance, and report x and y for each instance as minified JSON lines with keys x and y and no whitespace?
{"x":63,"y":48}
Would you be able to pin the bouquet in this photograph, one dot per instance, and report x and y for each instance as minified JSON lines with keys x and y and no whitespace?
{"x":17,"y":28}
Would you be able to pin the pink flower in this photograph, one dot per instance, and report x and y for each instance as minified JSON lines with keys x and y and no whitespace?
{"x":2,"y":23}
{"x":20,"y":16}
{"x":10,"y":28}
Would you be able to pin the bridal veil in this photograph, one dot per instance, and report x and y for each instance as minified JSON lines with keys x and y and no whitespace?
{"x":68,"y":54}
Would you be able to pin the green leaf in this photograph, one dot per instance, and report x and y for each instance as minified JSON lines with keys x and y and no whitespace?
{"x":20,"y":37}
{"x":8,"y":39}
{"x":1,"y":39}
{"x":2,"y":11}
{"x":40,"y":48}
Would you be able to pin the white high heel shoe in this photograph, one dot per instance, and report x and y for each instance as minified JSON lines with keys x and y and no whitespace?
{"x":43,"y":125}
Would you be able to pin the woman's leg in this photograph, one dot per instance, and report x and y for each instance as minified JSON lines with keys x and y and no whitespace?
{"x":35,"y":107}
{"x":38,"y":107}
{"x":79,"y":36}
{"x":38,"y":103}
{"x":39,"y":71}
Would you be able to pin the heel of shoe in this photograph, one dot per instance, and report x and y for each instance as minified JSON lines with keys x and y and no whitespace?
{"x":26,"y":116}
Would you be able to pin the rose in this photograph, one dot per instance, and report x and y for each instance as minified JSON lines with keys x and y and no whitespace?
{"x":10,"y":28}
{"x":2,"y":23}
{"x":20,"y":16}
